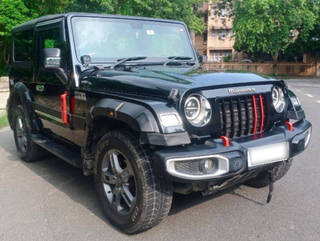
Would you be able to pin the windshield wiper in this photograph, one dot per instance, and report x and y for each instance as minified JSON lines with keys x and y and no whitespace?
{"x":180,"y":58}
{"x":175,"y":60}
{"x":121,"y":61}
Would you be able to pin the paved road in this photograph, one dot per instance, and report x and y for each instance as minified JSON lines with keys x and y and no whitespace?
{"x":49,"y":200}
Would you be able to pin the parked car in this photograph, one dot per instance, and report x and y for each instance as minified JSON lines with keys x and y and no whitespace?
{"x":123,"y":99}
{"x":246,"y":61}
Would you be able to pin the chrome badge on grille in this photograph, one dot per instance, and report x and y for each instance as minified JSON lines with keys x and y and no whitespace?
{"x":241,"y":91}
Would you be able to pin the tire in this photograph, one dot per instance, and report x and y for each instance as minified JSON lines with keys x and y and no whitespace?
{"x":263,"y":179}
{"x":118,"y":152}
{"x":28,"y":151}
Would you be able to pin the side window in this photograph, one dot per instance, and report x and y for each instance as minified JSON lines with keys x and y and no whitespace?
{"x":50,"y":39}
{"x":23,"y":42}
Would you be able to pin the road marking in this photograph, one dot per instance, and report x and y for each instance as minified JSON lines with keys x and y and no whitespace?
{"x":309,"y":95}
{"x":318,"y":101}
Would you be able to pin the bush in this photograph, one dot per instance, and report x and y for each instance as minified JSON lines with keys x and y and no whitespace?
{"x":227,"y":58}
{"x":3,"y":70}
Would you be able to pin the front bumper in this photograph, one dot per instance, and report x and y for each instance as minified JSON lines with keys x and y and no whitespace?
{"x":184,"y":163}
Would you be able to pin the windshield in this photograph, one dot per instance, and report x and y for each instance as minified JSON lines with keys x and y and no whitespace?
{"x":107,"y":40}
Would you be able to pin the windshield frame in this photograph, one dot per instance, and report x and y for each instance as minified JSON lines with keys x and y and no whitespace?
{"x":125,"y":18}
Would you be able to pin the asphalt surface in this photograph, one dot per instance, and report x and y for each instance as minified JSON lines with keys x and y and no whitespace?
{"x":50,"y":200}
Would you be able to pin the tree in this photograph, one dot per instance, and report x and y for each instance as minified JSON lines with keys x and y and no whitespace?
{"x":309,"y":42}
{"x":270,"y":26}
{"x":184,"y":10}
{"x":15,"y":12}
{"x":12,"y":13}
{"x":45,"y":7}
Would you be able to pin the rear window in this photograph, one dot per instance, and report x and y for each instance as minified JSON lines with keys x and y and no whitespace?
{"x":22,"y":42}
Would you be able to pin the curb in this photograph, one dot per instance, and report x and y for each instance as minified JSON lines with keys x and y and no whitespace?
{"x":4,"y":79}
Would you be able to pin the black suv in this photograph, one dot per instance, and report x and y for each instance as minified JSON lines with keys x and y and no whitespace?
{"x":124,"y":99}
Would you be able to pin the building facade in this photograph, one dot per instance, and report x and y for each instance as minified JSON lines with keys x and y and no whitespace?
{"x":216,"y":43}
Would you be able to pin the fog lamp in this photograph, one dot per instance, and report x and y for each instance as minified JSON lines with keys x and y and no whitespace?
{"x":208,"y":166}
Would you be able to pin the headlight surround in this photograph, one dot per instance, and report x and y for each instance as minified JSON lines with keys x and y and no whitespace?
{"x":294,"y":100}
{"x":197,"y":110}
{"x":278,"y":99}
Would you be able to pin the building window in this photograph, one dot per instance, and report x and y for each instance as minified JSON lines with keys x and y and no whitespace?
{"x":231,"y":34}
{"x":218,"y":55}
{"x":213,"y":13}
{"x":214,"y":34}
{"x":224,"y":13}
{"x":222,"y":34}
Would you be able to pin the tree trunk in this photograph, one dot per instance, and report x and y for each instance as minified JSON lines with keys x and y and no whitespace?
{"x":275,"y":57}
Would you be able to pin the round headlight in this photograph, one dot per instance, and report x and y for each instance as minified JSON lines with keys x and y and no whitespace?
{"x":278,"y":99}
{"x":197,"y":110}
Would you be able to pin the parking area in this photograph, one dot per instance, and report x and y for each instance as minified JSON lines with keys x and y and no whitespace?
{"x":50,"y":200}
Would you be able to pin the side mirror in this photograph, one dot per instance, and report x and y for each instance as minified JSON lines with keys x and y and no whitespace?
{"x":200,"y":58}
{"x":51,"y":61}
{"x":51,"y":58}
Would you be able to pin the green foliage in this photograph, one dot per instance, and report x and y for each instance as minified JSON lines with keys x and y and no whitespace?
{"x":184,"y":10}
{"x":12,"y":13}
{"x":15,"y":12}
{"x":270,"y":26}
{"x":309,"y":42}
{"x":227,"y":58}
{"x":3,"y":120}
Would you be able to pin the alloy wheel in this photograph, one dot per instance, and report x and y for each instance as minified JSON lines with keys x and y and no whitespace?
{"x":21,"y":135}
{"x":119,"y":182}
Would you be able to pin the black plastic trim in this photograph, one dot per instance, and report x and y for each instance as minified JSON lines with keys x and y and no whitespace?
{"x":158,"y":139}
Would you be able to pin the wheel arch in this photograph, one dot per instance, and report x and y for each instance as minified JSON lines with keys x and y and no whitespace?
{"x":20,"y":94}
{"x":110,"y":114}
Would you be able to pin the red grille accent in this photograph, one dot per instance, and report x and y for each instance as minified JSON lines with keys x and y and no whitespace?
{"x":255,"y":114}
{"x":262,"y":113}
{"x":242,"y":115}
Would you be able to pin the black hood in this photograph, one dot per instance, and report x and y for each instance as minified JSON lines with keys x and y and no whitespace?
{"x":158,"y":84}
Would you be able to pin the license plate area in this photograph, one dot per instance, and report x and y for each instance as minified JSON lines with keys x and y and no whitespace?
{"x":266,"y":154}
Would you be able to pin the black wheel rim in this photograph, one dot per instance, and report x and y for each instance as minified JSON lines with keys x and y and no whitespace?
{"x":21,"y":135}
{"x":119,"y":182}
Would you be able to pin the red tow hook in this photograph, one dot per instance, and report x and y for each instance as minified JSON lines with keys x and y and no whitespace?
{"x":290,"y":125}
{"x":226,"y":141}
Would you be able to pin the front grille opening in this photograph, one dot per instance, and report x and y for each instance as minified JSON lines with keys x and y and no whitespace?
{"x":243,"y":115}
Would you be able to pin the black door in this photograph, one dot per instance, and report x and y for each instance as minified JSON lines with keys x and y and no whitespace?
{"x":48,"y":89}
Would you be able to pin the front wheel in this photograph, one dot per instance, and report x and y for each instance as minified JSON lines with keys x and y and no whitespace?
{"x":27,"y":149}
{"x":132,"y":197}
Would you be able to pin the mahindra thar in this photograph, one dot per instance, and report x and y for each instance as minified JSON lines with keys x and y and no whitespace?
{"x":124,"y":99}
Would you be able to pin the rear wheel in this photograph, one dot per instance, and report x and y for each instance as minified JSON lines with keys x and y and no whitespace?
{"x":132,"y":197}
{"x":27,"y":149}
{"x":263,"y":179}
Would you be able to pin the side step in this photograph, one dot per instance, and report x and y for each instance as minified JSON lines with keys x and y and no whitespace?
{"x":59,"y":149}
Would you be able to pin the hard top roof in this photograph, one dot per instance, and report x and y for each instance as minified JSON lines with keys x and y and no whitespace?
{"x":30,"y":24}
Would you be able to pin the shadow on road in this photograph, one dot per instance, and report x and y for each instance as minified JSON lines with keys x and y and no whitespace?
{"x":79,"y":188}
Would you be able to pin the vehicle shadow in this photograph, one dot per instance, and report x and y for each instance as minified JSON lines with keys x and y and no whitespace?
{"x":70,"y":181}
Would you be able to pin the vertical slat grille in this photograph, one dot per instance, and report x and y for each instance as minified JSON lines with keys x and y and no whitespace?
{"x":241,"y":116}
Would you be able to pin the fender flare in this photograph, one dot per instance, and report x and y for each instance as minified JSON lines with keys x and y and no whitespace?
{"x":136,"y":116}
{"x":20,"y":92}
